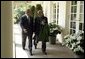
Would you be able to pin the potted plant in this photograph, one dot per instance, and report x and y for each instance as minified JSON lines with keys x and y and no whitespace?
{"x":54,"y":30}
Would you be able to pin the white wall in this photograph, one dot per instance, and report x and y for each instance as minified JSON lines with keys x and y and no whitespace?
{"x":67,"y":24}
{"x":64,"y":13}
{"x":62,"y":16}
{"x":6,"y":30}
{"x":47,"y":9}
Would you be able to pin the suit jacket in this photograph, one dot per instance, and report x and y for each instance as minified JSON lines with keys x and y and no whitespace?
{"x":26,"y":23}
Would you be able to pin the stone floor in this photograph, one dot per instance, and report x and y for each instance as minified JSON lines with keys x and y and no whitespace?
{"x":53,"y":51}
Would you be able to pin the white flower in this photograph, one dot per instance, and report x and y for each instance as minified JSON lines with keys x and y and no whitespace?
{"x":67,"y":36}
{"x":79,"y":38}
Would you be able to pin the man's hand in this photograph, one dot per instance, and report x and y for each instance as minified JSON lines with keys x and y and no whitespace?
{"x":25,"y":30}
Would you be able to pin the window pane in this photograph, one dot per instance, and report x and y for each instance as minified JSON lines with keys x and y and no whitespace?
{"x":70,"y":31}
{"x":83,"y":26}
{"x":81,"y":2}
{"x":54,"y":16}
{"x":81,"y":17}
{"x":74,"y":2}
{"x":57,"y":10}
{"x":74,"y":17}
{"x":54,"y":6}
{"x":71,"y":25}
{"x":74,"y":25}
{"x":80,"y":26}
{"x":71,"y":16}
{"x":54,"y":11}
{"x":72,"y":9}
{"x":73,"y":31}
{"x":75,"y":9}
{"x":57,"y":16}
{"x":81,"y":8}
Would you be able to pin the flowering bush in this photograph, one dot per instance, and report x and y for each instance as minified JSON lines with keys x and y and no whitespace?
{"x":75,"y":42}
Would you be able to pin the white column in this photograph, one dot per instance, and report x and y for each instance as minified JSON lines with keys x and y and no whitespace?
{"x":67,"y":21}
{"x":48,"y":8}
{"x":56,"y":11}
{"x":43,"y":7}
{"x":62,"y":13}
{"x":6,"y":30}
{"x":49,"y":11}
{"x":62,"y":17}
{"x":77,"y":17}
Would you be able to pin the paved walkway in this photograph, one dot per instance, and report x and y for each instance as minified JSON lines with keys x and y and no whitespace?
{"x":53,"y":51}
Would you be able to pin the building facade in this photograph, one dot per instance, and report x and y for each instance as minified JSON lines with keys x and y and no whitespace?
{"x":68,"y":14}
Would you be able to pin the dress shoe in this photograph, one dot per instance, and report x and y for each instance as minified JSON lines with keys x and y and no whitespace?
{"x":23,"y":48}
{"x":31,"y":53}
{"x":35,"y":47}
{"x":45,"y":53}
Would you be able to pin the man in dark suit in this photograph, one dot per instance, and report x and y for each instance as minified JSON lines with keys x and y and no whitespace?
{"x":26,"y":23}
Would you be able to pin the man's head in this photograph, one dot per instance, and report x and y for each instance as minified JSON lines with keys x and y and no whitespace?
{"x":28,"y":12}
{"x":40,"y":13}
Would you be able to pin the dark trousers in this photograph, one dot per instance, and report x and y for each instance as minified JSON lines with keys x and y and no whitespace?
{"x":43,"y":46}
{"x":24,"y":36}
{"x":36,"y":39}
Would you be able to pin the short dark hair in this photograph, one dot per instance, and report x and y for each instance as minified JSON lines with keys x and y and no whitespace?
{"x":28,"y":10}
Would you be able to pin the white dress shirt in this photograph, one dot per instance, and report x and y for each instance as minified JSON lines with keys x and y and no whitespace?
{"x":28,"y":17}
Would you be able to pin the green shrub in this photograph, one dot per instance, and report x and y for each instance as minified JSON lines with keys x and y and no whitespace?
{"x":54,"y":28}
{"x":75,"y":42}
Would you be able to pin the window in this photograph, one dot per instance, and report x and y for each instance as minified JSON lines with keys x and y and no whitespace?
{"x":74,"y":3}
{"x":81,"y":16}
{"x":73,"y":10}
{"x":54,"y":11}
{"x":80,"y":26}
{"x":73,"y":17}
{"x":57,"y":12}
{"x":77,"y":16}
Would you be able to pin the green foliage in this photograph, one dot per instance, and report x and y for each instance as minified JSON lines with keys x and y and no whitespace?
{"x":19,"y":13}
{"x":53,"y":27}
{"x":75,"y":42}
